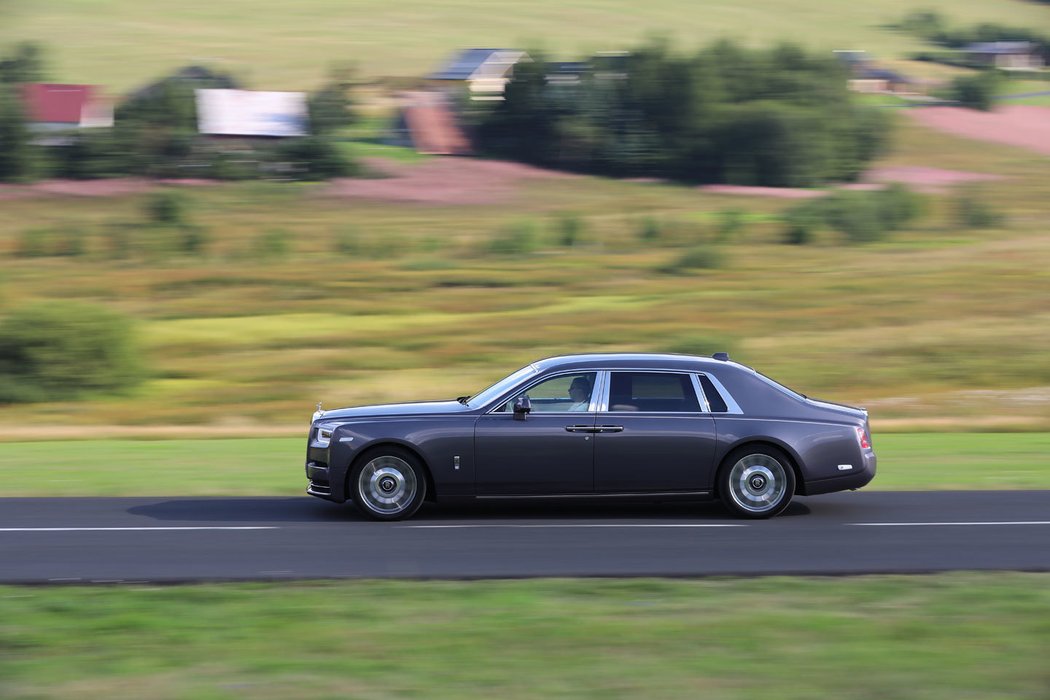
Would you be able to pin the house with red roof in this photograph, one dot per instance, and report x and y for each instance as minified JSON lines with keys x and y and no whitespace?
{"x":54,"y":106}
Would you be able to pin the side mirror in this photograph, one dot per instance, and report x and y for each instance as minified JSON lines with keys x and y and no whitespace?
{"x":522,"y":407}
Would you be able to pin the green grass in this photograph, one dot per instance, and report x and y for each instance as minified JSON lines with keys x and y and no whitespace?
{"x":273,"y":466}
{"x":939,"y":637}
{"x":277,"y":45}
{"x":385,"y":301}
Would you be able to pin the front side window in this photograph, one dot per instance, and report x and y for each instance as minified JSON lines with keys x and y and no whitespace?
{"x":566,"y":393}
{"x":652,"y":391}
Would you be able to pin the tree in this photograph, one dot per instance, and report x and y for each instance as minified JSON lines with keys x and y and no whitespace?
{"x":16,"y":155}
{"x":331,"y":108}
{"x":24,"y":65}
{"x":976,"y":91}
{"x":780,"y":117}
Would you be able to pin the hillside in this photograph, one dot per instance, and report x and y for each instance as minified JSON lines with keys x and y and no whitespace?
{"x":279,"y":45}
{"x":354,"y":293}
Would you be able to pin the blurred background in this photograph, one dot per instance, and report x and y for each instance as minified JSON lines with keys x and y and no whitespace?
{"x":216,"y":215}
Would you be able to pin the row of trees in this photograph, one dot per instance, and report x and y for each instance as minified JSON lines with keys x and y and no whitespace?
{"x":934,"y":28}
{"x":155,"y":133}
{"x":779,"y":117}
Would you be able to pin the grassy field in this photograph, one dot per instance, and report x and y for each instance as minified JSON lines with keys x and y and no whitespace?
{"x":273,"y":466}
{"x":939,"y":637}
{"x":368,"y":301}
{"x":277,"y":45}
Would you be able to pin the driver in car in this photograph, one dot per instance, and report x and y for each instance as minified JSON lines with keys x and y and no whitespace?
{"x":580,"y":392}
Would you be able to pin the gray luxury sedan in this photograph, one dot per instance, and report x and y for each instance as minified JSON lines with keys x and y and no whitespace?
{"x":608,"y":426}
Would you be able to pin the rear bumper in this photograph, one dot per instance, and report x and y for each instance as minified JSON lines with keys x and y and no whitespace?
{"x":854,"y":479}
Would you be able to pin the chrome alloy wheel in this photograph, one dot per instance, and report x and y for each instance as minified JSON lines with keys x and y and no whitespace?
{"x":387,"y":485}
{"x":758,"y":483}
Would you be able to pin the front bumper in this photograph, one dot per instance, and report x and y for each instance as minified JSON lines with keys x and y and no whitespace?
{"x":323,"y":479}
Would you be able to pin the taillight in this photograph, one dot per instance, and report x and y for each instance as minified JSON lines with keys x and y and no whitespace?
{"x":863,"y":439}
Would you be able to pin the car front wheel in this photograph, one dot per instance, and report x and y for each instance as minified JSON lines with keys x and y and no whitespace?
{"x":756,"y":482}
{"x":388,"y":484}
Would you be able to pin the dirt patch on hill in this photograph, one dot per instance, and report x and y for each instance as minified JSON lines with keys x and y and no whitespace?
{"x":926,"y":179}
{"x":441,"y":180}
{"x":1026,"y":126}
{"x":91,"y":188}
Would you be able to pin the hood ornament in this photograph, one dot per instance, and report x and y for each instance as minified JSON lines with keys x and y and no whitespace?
{"x":319,"y":412}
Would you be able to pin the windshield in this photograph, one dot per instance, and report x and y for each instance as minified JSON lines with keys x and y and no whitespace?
{"x":497,"y":389}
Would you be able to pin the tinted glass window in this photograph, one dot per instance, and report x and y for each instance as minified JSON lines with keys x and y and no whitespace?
{"x":652,"y":391}
{"x":718,"y":404}
{"x":566,"y":393}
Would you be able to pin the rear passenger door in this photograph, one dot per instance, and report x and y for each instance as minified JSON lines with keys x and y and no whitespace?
{"x":652,"y":435}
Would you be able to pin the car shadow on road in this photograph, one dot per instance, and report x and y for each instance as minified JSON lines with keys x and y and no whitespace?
{"x":267,"y":511}
{"x":247,"y":510}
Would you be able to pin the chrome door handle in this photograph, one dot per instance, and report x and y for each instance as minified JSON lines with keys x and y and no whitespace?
{"x":609,"y":429}
{"x":581,"y":429}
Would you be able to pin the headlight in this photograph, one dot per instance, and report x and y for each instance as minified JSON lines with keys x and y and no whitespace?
{"x":322,"y":434}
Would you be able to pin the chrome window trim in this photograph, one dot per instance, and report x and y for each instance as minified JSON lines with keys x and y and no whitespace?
{"x":704,"y":403}
{"x":603,"y":382}
{"x":527,"y":385}
{"x":732,"y":407}
{"x":701,"y":400}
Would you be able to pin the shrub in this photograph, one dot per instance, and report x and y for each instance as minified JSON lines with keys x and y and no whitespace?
{"x":515,"y":239}
{"x":730,"y":223}
{"x":66,"y":350}
{"x":314,"y":158}
{"x":701,"y":257}
{"x":570,"y":230}
{"x":166,"y":207}
{"x":273,"y":243}
{"x":855,"y":215}
{"x":897,"y":205}
{"x":972,"y":212}
{"x":46,"y":242}
{"x":347,"y":241}
{"x":976,"y":91}
{"x":650,"y":230}
{"x":194,"y":239}
{"x":34,"y":243}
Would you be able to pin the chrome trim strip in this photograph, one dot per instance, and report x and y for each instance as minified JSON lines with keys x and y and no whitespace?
{"x":603,"y":398}
{"x":601,"y":495}
{"x":732,"y":407}
{"x":705,"y":405}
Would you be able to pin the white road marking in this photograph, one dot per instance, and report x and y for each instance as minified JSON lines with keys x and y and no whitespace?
{"x":990,"y":522}
{"x":583,"y":525}
{"x":137,"y":529}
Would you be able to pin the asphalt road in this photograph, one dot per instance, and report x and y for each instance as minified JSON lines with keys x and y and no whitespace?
{"x":79,"y":540}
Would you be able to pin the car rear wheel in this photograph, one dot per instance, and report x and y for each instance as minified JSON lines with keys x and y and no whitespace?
{"x":388,"y":484}
{"x":756,"y":482}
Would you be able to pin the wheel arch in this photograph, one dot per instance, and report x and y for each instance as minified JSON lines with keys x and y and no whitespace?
{"x":792,"y":457}
{"x":377,"y":446}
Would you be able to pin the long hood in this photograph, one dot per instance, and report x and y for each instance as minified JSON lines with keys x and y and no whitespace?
{"x":420,"y":408}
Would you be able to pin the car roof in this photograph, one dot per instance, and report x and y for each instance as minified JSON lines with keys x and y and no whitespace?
{"x":633,"y":360}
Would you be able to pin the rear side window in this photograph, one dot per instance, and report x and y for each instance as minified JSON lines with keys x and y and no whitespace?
{"x":718,"y":404}
{"x":652,"y":391}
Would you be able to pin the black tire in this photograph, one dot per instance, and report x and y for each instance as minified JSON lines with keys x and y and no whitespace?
{"x":756,"y":481}
{"x":388,"y":483}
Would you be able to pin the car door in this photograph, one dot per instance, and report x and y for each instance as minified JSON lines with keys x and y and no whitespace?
{"x":550,"y":452}
{"x":653,"y":435}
